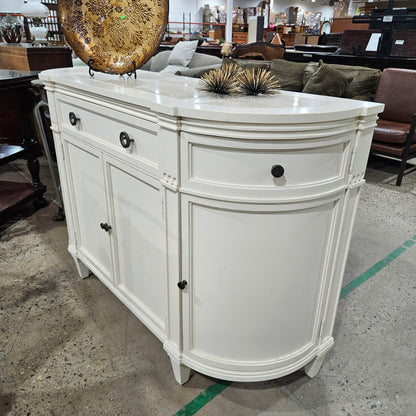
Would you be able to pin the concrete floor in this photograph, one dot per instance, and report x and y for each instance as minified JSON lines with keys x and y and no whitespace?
{"x":69,"y":347}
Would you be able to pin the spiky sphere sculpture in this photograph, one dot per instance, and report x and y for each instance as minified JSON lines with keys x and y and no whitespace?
{"x":254,"y":81}
{"x":220,"y":80}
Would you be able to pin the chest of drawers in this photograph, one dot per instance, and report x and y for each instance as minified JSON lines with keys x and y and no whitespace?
{"x":222,"y":223}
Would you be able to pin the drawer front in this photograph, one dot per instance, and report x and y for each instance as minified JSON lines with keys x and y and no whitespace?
{"x":133,"y":137}
{"x":240,"y":37}
{"x":223,"y":166}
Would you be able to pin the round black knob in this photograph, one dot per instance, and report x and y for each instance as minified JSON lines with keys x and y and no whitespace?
{"x":277,"y":171}
{"x":105,"y":226}
{"x":182,"y":284}
{"x":73,"y":119}
{"x":125,"y":139}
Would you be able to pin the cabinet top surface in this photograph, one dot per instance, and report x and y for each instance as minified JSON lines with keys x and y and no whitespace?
{"x":179,"y":96}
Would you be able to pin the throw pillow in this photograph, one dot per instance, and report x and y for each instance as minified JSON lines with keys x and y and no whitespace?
{"x":362,"y":81}
{"x":182,"y":53}
{"x":159,"y":61}
{"x":363,"y":86}
{"x":310,"y":69}
{"x":289,"y":74}
{"x":326,"y":81}
{"x":197,"y":72}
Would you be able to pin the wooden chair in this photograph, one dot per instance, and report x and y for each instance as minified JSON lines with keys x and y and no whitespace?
{"x":258,"y":50}
{"x":394,"y":135}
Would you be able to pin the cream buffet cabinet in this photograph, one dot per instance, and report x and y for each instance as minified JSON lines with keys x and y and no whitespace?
{"x":222,"y":223}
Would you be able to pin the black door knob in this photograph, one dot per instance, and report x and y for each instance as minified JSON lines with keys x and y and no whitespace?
{"x":73,"y":119}
{"x":277,"y":171}
{"x":125,"y":140}
{"x":105,"y":226}
{"x":182,"y":284}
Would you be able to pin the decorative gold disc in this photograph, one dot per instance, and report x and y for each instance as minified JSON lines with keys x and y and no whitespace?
{"x":114,"y":33}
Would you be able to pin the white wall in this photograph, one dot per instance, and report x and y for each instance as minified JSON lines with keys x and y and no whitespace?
{"x":10,"y":6}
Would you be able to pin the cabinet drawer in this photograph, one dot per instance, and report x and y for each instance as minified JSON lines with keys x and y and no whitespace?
{"x":240,"y":37}
{"x":132,"y":136}
{"x":218,"y":166}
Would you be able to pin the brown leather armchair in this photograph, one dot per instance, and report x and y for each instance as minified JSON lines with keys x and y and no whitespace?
{"x":394,"y":135}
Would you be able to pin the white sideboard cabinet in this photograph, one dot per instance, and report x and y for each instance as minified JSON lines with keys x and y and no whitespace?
{"x":222,"y":223}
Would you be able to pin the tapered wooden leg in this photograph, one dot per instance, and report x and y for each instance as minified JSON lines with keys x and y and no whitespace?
{"x":312,"y":369}
{"x":181,"y":372}
{"x":82,"y":269}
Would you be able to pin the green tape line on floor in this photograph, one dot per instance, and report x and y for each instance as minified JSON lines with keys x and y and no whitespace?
{"x":409,"y":243}
{"x":358,"y":281}
{"x":204,"y":398}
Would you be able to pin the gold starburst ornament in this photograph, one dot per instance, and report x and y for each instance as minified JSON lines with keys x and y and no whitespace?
{"x":221,"y":80}
{"x":255,"y":81}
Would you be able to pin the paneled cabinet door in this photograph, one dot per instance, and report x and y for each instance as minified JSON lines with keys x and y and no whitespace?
{"x":256,"y":281}
{"x":88,"y":204}
{"x":136,"y":209}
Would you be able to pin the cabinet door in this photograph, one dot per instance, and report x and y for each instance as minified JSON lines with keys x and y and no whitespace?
{"x":256,"y":277}
{"x":88,"y":204}
{"x":136,"y":207}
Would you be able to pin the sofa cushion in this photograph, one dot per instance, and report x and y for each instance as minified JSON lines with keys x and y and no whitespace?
{"x":363,"y":86}
{"x":182,"y":53}
{"x":246,"y":63}
{"x":172,"y":69}
{"x":159,"y":61}
{"x":326,"y":81}
{"x":202,"y":59}
{"x":289,"y":74}
{"x":362,"y":81}
{"x":197,"y":72}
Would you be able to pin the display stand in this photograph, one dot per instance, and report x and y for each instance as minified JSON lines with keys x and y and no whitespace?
{"x":91,"y":69}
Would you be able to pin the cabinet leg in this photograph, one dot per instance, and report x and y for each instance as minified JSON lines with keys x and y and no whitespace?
{"x":181,"y":372}
{"x":82,"y":269}
{"x":312,"y":369}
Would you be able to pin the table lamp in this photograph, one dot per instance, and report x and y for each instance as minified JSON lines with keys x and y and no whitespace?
{"x":36,"y":10}
{"x":11,"y":28}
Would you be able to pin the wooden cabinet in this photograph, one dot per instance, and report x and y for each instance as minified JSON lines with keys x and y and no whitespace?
{"x":17,"y":140}
{"x":240,"y":37}
{"x":24,"y":56}
{"x":230,"y":218}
